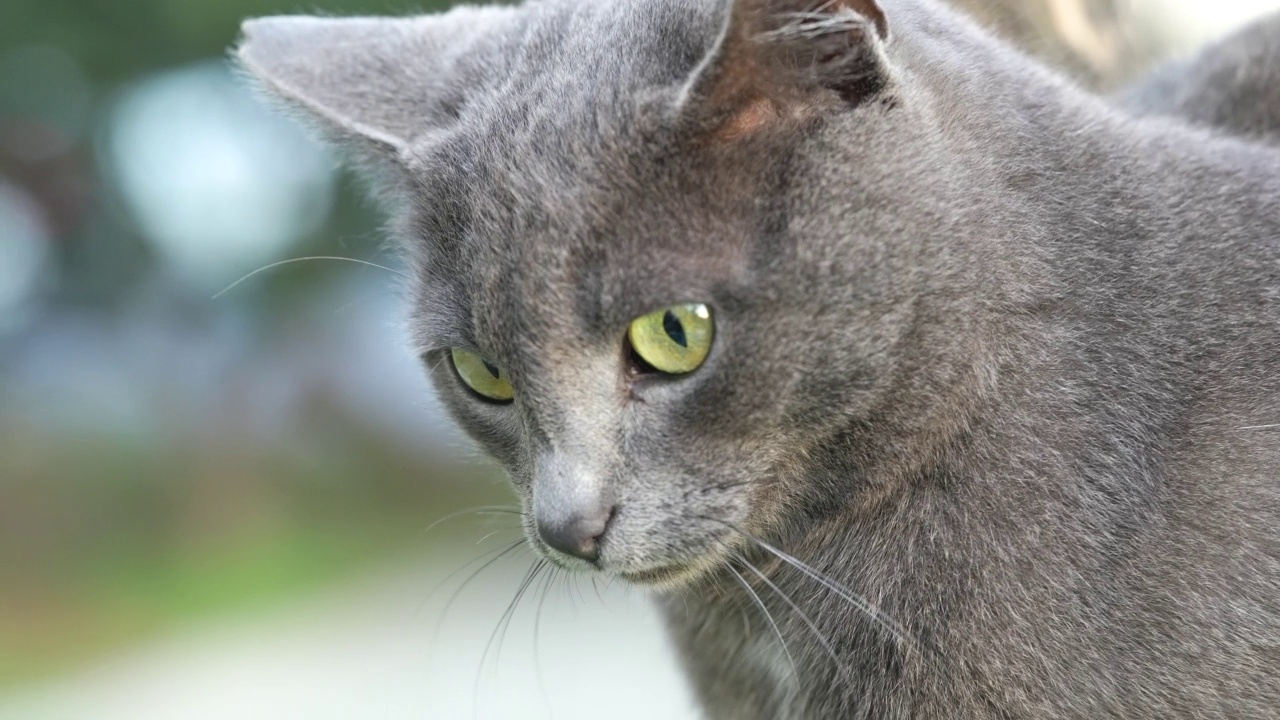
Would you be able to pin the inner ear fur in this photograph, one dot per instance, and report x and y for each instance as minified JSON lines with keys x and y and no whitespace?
{"x":776,"y":58}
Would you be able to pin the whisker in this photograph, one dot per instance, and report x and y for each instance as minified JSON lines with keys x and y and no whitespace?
{"x":500,"y":630}
{"x":870,"y":610}
{"x":433,"y":369}
{"x":282,"y":263}
{"x":534,"y":573}
{"x":426,"y":598}
{"x":768,"y":616}
{"x":548,"y":580}
{"x":859,"y":602}
{"x":478,"y":510}
{"x":813,"y":628}
{"x":495,"y":532}
{"x":444,"y":612}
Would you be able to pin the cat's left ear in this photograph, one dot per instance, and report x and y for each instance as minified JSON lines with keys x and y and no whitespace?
{"x":372,"y":83}
{"x":778,"y":58}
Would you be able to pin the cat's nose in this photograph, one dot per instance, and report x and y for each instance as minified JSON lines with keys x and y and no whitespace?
{"x":578,"y":534}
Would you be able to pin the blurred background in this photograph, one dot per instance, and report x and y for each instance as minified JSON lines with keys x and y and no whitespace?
{"x":217,"y":497}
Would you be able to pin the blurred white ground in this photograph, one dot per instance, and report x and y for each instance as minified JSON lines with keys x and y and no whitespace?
{"x":366,"y":652}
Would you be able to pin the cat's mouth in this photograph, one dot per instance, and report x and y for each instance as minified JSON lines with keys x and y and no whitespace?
{"x":659,"y":577}
{"x":699,"y":558}
{"x":665,"y":575}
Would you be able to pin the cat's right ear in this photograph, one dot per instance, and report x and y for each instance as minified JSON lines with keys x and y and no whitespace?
{"x":373,"y":85}
{"x":787,"y":58}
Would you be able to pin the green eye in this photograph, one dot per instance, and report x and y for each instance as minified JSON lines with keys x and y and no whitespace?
{"x":674,"y":340}
{"x":485,"y":378}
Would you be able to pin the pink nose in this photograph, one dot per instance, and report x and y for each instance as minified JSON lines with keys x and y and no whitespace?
{"x":578,"y":535}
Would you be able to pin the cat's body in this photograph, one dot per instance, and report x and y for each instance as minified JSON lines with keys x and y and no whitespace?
{"x":994,"y":360}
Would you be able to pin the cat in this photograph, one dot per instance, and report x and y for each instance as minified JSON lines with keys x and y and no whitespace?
{"x":1232,"y":86}
{"x":915,"y":381}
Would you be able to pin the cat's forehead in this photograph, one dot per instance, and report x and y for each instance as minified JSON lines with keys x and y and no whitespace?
{"x":568,"y":82}
{"x":562,"y":67}
{"x":585,"y":241}
{"x":604,"y":50}
{"x":560,"y":160}
{"x":566,"y":199}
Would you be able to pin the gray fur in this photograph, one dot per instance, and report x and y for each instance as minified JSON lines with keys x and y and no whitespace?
{"x":997,"y":360}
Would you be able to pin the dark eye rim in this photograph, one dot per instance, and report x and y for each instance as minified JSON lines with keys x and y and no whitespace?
{"x":637,"y":366}
{"x":466,"y":386}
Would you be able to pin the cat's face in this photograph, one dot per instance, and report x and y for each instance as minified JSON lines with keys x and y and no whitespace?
{"x":577,"y":287}
{"x":646,"y":283}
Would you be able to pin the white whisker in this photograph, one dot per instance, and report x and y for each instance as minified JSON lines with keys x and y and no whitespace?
{"x":813,"y":628}
{"x":282,"y":263}
{"x":867,"y":608}
{"x":795,"y":670}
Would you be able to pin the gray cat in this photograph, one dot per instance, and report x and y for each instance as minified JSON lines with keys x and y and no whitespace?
{"x":915,"y":381}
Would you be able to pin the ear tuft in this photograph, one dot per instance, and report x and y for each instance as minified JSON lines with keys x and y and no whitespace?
{"x":832,"y":47}
{"x":774,"y":56}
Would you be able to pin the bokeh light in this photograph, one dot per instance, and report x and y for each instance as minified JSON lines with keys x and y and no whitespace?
{"x":215,"y":180}
{"x":24,"y":250}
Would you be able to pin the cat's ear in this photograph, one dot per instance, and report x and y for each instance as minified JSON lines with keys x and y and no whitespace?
{"x":374,"y":82}
{"x":774,"y":58}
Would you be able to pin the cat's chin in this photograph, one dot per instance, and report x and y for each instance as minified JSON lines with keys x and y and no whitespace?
{"x":672,"y":578}
{"x":663,"y":578}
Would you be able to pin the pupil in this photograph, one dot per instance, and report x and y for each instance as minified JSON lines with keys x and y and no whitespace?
{"x":492,"y":370}
{"x":674,"y":329}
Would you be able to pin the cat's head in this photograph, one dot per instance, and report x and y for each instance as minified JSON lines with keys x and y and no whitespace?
{"x":669,"y":255}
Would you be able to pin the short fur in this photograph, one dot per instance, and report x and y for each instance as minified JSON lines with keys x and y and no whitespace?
{"x":997,"y":364}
